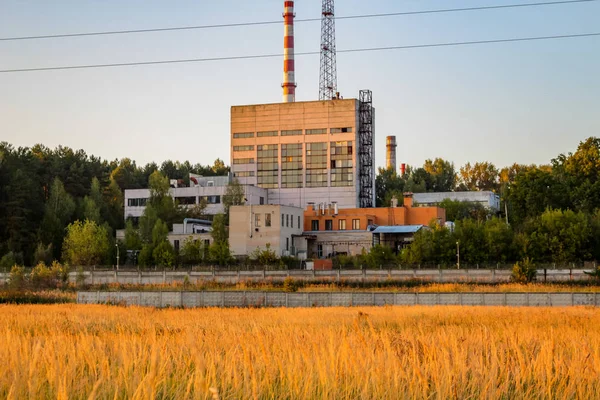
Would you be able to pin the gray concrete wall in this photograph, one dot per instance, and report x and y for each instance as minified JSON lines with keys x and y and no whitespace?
{"x":332,"y":299}
{"x":432,"y":275}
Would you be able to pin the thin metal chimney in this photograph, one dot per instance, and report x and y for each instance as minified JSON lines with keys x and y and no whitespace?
{"x":289,"y":82}
{"x":390,"y":160}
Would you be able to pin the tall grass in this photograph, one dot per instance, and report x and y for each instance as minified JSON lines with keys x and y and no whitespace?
{"x":72,"y":351}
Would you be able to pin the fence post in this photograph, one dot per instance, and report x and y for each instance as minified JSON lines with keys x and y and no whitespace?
{"x":164,"y":276}
{"x":287,"y":303}
{"x":505,"y":302}
{"x":573,"y":299}
{"x":372,"y":298}
{"x":139,"y":298}
{"x":161,"y":299}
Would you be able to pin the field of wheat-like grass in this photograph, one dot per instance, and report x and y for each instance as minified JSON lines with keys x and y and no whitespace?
{"x":76,"y":351}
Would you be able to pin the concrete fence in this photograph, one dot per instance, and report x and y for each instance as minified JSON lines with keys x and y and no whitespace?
{"x":333,"y":299}
{"x":432,"y":275}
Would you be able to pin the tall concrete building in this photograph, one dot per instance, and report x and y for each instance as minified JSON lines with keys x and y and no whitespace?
{"x":307,"y":152}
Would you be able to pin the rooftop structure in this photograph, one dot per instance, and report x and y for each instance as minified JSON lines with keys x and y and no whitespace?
{"x":488,"y":199}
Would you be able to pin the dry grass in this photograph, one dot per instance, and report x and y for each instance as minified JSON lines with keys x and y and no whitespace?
{"x":74,"y":351}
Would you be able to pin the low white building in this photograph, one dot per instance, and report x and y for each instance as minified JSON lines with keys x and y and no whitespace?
{"x":489,"y":200}
{"x":254,"y":227}
{"x":211,"y":188}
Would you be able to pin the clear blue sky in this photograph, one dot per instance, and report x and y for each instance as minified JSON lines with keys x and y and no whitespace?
{"x":505,"y":103}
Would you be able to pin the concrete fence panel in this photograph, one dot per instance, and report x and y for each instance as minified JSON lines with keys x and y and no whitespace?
{"x":327,"y":299}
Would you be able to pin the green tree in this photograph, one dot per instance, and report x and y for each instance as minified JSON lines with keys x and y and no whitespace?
{"x":133,"y":240}
{"x":442,"y":173}
{"x":234,"y":196}
{"x":388,"y":184}
{"x":499,"y":239}
{"x":479,"y":176}
{"x":164,"y":254}
{"x":219,"y":229}
{"x":457,"y":210}
{"x":192,"y":251}
{"x":86,"y":244}
{"x":59,"y":209}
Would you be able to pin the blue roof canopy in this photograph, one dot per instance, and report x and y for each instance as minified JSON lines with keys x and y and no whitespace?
{"x":398,"y":229}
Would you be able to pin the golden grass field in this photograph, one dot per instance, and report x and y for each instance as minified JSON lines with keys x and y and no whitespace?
{"x":80,"y":352}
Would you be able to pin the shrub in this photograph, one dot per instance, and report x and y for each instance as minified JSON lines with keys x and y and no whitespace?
{"x":10,"y":259}
{"x":17,"y":277}
{"x":290,"y":285}
{"x":41,"y":276}
{"x":524,"y":271}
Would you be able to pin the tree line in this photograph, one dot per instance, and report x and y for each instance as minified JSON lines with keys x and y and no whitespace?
{"x":46,"y":193}
{"x":550,"y":213}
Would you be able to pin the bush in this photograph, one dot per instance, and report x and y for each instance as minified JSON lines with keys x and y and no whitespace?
{"x":11,"y":259}
{"x":265,"y":257}
{"x":290,"y":285}
{"x":524,"y":271}
{"x":17,"y":277}
{"x":41,"y":276}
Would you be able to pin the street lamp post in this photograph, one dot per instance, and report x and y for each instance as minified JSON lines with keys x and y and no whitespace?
{"x":117,"y":246}
{"x":458,"y":255}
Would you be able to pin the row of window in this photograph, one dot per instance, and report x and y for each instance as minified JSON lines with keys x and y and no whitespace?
{"x":291,"y":132}
{"x":315,"y":226}
{"x":243,"y":148}
{"x":141,"y":202}
{"x":287,"y":220}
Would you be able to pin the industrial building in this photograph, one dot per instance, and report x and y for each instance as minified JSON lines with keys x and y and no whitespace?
{"x":211,"y":189}
{"x":330,"y":230}
{"x":257,"y":227}
{"x":305,"y":152}
{"x":489,"y":200}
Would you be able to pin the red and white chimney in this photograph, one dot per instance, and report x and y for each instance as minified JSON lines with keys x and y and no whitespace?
{"x":289,"y":83}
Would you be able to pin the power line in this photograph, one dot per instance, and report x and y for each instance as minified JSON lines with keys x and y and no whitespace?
{"x":396,"y":14}
{"x":256,"y":56}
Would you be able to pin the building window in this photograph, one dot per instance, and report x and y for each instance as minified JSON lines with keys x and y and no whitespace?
{"x":319,"y":251}
{"x":268,"y":133}
{"x":314,"y":225}
{"x":268,"y":220}
{"x":316,"y":131}
{"x":243,"y":135}
{"x":341,"y":130}
{"x":341,"y":164}
{"x":282,"y":220}
{"x":328,"y":225}
{"x":137,"y":202}
{"x":287,"y":220}
{"x":370,"y":222}
{"x":342,"y":224}
{"x":287,"y":243}
{"x":291,"y":221}
{"x":268,"y":166}
{"x":212,"y":199}
{"x":243,"y":148}
{"x":356,"y":224}
{"x":257,"y":220}
{"x":291,"y":165}
{"x":316,"y":164}
{"x":294,"y":132}
{"x":299,"y":226}
{"x":243,"y":161}
{"x":186,"y":200}
{"x":243,"y":174}
{"x":261,"y":201}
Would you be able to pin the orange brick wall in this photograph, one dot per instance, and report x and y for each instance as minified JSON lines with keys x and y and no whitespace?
{"x":379,"y":216}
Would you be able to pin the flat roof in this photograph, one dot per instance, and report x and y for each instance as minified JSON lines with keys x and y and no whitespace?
{"x":398,"y":229}
{"x":295,"y":102}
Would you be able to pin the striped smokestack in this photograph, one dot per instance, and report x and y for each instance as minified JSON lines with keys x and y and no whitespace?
{"x":289,"y":84}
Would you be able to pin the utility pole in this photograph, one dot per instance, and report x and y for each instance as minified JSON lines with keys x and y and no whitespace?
{"x":457,"y":255}
{"x":117,"y":247}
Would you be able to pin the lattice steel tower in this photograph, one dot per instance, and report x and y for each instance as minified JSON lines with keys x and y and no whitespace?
{"x":328,"y":75}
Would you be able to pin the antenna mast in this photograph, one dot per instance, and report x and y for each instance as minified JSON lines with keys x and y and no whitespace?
{"x":328,"y":74}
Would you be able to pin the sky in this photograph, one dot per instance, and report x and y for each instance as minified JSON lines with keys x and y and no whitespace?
{"x":521,"y":102}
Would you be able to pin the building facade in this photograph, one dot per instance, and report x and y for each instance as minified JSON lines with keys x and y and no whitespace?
{"x":489,"y":200}
{"x":300,"y":152}
{"x":258,"y":227}
{"x":211,"y":189}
